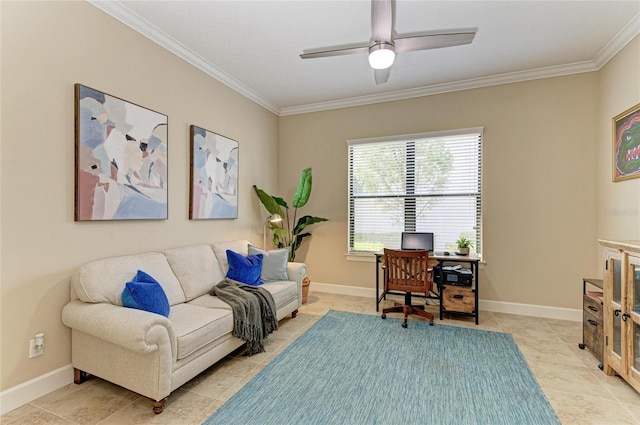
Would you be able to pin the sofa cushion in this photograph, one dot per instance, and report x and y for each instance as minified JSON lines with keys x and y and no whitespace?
{"x":145,"y":293}
{"x":102,"y":281}
{"x":245,"y":269}
{"x":283,"y":292}
{"x":196,"y":268}
{"x":196,"y":326}
{"x":220,"y":249}
{"x":274,"y":263}
{"x":210,"y":301}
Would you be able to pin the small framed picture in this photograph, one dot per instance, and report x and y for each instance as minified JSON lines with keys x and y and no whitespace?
{"x":626,"y":144}
{"x":214,"y":175}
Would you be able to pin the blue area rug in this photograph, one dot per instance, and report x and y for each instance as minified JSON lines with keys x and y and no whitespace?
{"x":353,"y":369}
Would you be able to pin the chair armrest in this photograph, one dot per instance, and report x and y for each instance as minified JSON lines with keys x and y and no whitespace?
{"x":135,"y":330}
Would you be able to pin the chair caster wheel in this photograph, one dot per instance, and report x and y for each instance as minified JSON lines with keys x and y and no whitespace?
{"x":581,"y":346}
{"x":404,"y":325}
{"x":384,"y":316}
{"x":431,"y":323}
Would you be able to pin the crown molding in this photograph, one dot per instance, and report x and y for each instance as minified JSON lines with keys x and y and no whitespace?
{"x":144,"y":27}
{"x":494,"y":80}
{"x":626,"y":34}
{"x":139,"y":24}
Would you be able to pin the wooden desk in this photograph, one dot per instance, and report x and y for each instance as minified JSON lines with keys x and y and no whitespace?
{"x":457,"y":292}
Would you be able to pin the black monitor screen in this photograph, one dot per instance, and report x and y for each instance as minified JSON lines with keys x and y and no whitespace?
{"x":417,"y":241}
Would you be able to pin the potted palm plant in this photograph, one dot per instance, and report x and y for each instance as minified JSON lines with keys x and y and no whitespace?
{"x":284,"y":233}
{"x":463,"y":245}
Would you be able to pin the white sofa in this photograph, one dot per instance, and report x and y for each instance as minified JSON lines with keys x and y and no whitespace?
{"x":148,"y":353}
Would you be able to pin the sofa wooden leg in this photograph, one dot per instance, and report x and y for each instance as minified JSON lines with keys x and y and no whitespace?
{"x":79,"y":376}
{"x":158,"y":406}
{"x":294,"y":314}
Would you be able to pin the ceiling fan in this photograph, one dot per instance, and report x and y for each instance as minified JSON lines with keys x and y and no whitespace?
{"x":385,"y":43}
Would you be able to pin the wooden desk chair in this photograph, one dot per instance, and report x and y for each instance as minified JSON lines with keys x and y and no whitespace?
{"x":407,"y":271}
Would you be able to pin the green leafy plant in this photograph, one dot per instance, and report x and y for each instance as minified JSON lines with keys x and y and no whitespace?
{"x":463,"y":242}
{"x":284,"y":235}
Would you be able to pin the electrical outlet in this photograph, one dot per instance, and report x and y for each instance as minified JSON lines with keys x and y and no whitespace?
{"x":33,"y":352}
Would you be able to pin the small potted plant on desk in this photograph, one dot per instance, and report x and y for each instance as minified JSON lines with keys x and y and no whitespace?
{"x":463,"y":245}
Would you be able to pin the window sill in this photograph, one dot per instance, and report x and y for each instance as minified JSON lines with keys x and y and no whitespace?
{"x":369,"y":257}
{"x":365,"y":257}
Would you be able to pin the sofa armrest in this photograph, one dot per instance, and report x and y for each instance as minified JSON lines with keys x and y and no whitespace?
{"x":297,"y":272}
{"x":135,"y":330}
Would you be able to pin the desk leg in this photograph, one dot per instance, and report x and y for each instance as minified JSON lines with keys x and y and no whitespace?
{"x":477,"y":277}
{"x":440,"y":263}
{"x":440,"y":299}
{"x":377,"y":283}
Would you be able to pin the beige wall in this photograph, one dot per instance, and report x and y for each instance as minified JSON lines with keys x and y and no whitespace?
{"x":46,"y":48}
{"x":618,"y":203}
{"x":539,"y":196}
{"x":546,"y":150}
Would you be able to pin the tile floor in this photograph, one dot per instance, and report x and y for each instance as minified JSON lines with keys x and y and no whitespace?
{"x":578,"y":391}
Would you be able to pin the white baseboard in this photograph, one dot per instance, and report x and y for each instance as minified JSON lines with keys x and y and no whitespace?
{"x":356,"y":291}
{"x":26,"y":392}
{"x":486,"y":305}
{"x":547,"y":312}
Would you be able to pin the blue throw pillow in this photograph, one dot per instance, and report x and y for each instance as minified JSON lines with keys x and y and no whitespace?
{"x":145,"y":293}
{"x":245,"y":269}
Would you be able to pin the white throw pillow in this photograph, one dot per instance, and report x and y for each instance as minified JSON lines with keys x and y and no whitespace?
{"x":274,"y":263}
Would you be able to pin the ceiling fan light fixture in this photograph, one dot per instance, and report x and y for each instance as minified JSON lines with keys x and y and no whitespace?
{"x":381,"y":55}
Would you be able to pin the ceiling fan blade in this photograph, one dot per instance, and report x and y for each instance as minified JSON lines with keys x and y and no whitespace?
{"x":381,"y":20}
{"x":333,"y":51}
{"x":433,"y":41}
{"x":382,"y":75}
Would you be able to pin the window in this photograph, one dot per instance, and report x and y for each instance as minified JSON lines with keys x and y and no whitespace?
{"x":428,"y":182}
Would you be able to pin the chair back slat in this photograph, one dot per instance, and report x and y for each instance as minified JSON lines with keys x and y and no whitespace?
{"x":407,"y":271}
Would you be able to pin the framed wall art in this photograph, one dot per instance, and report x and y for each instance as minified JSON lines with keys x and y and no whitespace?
{"x":120,"y":157}
{"x":626,"y":144}
{"x":214,"y":175}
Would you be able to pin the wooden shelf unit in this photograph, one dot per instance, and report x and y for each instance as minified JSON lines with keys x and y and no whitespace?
{"x":622,"y":310}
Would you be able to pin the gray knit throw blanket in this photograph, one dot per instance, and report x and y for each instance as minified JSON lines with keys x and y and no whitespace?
{"x":254,"y":312}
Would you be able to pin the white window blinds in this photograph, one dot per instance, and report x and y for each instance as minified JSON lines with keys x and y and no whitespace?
{"x":428,"y":182}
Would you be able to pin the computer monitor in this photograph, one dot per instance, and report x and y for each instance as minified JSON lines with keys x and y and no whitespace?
{"x":416,"y":241}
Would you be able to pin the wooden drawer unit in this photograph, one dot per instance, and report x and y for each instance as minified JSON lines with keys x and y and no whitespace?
{"x":458,"y":299}
{"x":592,"y":336}
{"x":592,"y":313}
{"x":458,"y":283}
{"x":592,"y":303}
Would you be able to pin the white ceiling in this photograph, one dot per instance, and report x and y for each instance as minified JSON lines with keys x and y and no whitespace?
{"x":254,"y":46}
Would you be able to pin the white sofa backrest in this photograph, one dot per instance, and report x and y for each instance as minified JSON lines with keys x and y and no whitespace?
{"x":196,"y":268}
{"x":104,"y":280}
{"x":220,"y":248}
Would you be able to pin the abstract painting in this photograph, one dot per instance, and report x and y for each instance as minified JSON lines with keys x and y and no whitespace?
{"x":626,"y":144}
{"x":214,"y":175}
{"x":121,"y":159}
